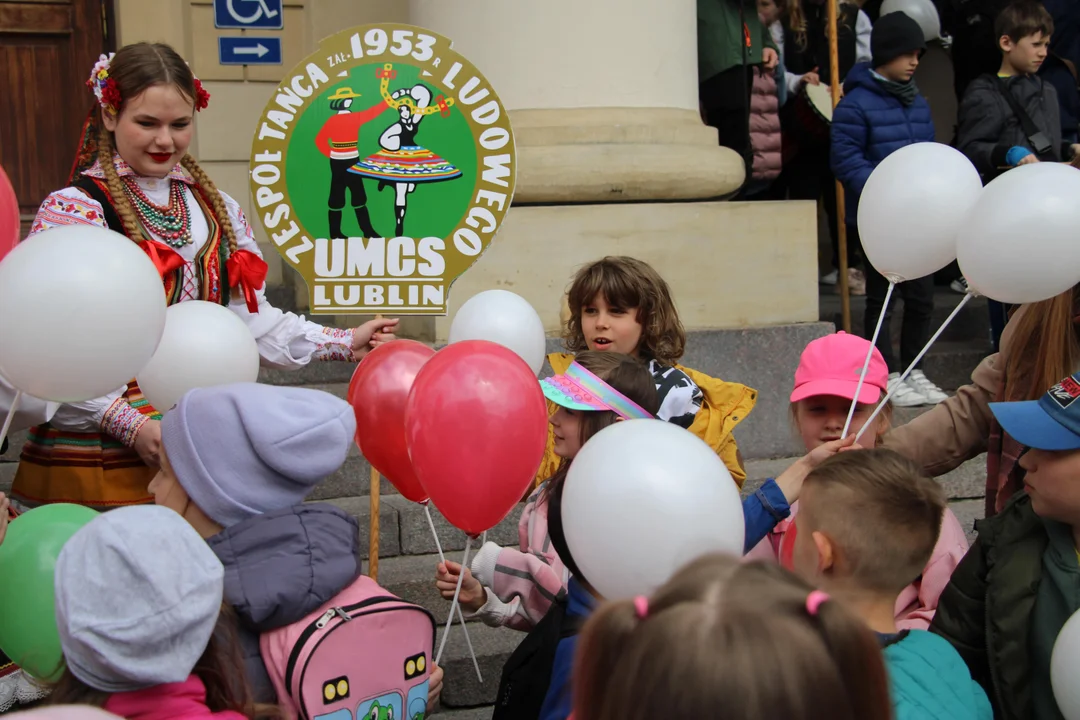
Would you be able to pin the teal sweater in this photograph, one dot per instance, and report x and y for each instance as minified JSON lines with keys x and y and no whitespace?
{"x":930,"y":681}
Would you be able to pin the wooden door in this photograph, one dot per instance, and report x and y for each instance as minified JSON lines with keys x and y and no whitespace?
{"x":47,"y":48}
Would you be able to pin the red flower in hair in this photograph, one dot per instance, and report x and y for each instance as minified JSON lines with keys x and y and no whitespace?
{"x":110,"y":94}
{"x":202,"y":97}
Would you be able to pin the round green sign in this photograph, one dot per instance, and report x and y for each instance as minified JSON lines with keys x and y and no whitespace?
{"x":381,"y":169}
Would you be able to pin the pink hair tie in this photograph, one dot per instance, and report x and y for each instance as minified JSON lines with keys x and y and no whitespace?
{"x":641,"y":606}
{"x":814,"y":601}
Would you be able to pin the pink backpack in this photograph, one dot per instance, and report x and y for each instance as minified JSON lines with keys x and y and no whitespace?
{"x":364,"y":655}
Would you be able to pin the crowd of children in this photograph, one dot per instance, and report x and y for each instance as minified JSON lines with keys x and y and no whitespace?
{"x":857,"y":598}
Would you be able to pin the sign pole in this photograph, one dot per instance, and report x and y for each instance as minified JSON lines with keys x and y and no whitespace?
{"x":373,"y":511}
{"x":841,"y":226}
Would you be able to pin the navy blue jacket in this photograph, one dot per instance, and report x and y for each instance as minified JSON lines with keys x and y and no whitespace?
{"x":868,"y":125}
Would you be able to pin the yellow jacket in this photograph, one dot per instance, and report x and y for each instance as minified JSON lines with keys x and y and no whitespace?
{"x":726,"y":405}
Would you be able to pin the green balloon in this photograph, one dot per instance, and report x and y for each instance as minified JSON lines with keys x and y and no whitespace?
{"x":28,"y":555}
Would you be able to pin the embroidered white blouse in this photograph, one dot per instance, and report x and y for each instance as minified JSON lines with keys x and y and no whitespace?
{"x":285,"y":340}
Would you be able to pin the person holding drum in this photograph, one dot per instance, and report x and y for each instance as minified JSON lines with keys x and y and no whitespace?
{"x":881,"y":112}
{"x":807,"y":117}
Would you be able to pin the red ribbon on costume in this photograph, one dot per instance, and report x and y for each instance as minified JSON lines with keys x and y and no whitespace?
{"x":165,"y":259}
{"x":248,"y":271}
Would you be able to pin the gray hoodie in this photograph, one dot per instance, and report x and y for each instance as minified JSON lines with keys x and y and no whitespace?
{"x":281,"y":566}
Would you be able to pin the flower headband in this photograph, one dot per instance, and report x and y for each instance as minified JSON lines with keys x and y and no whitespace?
{"x":108,"y":94}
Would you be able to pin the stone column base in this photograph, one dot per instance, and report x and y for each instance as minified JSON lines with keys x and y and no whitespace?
{"x":596,"y":155}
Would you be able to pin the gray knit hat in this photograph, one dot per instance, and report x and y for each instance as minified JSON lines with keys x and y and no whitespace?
{"x":246,"y":449}
{"x":138,"y":594}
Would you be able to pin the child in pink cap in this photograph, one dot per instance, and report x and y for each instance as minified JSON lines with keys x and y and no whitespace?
{"x":825,"y":384}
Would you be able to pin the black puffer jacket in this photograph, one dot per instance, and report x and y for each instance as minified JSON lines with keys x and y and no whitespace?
{"x":988,"y":126}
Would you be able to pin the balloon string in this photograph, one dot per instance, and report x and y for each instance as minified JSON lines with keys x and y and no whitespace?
{"x":455,"y":609}
{"x":914,"y":362}
{"x":869,"y":354}
{"x":10,"y":416}
{"x":457,"y":591}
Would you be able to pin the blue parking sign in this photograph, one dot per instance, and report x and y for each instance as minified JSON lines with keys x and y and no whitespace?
{"x":259,"y":14}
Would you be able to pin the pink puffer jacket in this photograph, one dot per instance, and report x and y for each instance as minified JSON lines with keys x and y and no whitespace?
{"x":765,"y":126}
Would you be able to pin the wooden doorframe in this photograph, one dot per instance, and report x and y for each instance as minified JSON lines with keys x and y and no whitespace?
{"x":55,"y":102}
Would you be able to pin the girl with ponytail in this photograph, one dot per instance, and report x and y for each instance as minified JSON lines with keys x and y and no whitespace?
{"x":133,"y":175}
{"x":695,"y":649}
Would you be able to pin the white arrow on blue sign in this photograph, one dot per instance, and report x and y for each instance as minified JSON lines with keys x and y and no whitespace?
{"x":249,"y":50}
{"x":262,"y":14}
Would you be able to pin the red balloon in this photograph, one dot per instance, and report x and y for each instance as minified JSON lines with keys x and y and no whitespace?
{"x":378,"y":392}
{"x":9,"y":215}
{"x":476,"y":426}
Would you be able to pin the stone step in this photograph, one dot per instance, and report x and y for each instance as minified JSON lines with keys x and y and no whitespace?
{"x":404,"y":529}
{"x":493,"y":646}
{"x":971,"y":323}
{"x":480,"y":713}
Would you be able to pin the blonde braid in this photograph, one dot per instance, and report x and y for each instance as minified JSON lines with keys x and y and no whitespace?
{"x":210,"y":190}
{"x":116,"y":188}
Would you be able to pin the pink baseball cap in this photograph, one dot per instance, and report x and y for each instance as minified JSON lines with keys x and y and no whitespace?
{"x":831,"y":366}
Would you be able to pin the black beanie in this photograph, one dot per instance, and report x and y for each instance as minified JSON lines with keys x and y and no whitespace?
{"x":894,"y":35}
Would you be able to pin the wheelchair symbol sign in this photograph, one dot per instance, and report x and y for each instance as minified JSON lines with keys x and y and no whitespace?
{"x":263,"y":14}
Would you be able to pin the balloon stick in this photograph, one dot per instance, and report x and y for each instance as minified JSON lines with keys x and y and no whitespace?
{"x":869,"y":354}
{"x":10,"y":416}
{"x":914,"y":362}
{"x":455,"y":609}
{"x":457,"y":591}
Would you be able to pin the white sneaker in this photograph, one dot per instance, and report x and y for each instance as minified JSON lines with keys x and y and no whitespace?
{"x":830,"y":278}
{"x":927,"y":389}
{"x":959,"y":285}
{"x":905,"y":395}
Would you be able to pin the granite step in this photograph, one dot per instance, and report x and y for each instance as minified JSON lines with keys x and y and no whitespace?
{"x":493,"y":646}
{"x":971,"y":323}
{"x":404,"y":529}
{"x":479,"y":713}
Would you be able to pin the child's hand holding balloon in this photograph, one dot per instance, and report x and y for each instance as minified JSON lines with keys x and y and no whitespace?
{"x":435,"y":681}
{"x":791,"y":480}
{"x":472,"y":596}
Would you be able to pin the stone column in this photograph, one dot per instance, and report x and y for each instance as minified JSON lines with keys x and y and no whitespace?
{"x":603,"y":95}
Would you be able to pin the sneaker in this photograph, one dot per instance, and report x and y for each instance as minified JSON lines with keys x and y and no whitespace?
{"x":959,"y":285}
{"x":905,"y":395}
{"x":856,"y":282}
{"x":830,"y":278}
{"x":927,"y":389}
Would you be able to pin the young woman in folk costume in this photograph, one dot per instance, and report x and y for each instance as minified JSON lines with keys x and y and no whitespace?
{"x":133,"y":175}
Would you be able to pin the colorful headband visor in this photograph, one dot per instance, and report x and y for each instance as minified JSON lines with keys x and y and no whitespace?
{"x":579,"y":389}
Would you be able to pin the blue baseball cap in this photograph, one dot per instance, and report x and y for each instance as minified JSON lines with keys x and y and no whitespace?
{"x":1050,"y":423}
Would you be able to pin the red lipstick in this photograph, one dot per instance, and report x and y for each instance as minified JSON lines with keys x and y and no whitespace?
{"x":160,"y":157}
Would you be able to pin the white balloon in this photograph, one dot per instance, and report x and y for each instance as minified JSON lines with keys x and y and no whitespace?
{"x":1064,"y":668}
{"x":921,"y":11}
{"x":81,"y":312}
{"x":505,"y":318}
{"x":204,"y":344}
{"x":912,"y":206}
{"x":643,"y":498}
{"x":1019,"y":244}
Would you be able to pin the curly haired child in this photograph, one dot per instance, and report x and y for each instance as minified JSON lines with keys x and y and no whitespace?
{"x":622,"y":304}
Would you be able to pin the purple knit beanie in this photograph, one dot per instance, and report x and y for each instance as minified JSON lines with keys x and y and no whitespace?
{"x":246,"y":449}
